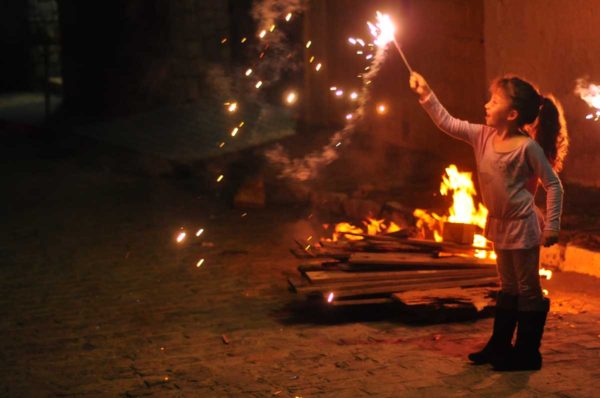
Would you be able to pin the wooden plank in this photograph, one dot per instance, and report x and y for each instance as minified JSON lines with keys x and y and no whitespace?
{"x":414,"y":259}
{"x":392,"y":286}
{"x":480,"y":297}
{"x":423,"y":285}
{"x":297,"y":283}
{"x":366,"y":301}
{"x":332,"y":276}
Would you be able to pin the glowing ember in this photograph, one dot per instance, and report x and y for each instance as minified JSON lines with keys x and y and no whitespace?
{"x":308,"y":44}
{"x":262,"y":34}
{"x":199,"y":232}
{"x":234,"y":131}
{"x":383,"y":30}
{"x":272,"y":28}
{"x":220,"y":178}
{"x":349,"y":116}
{"x":312,"y":59}
{"x":353,"y":95}
{"x":352,"y":40}
{"x":244,"y":39}
{"x":258,"y":84}
{"x":381,"y":109}
{"x":288,"y":17}
{"x":545,"y":291}
{"x":330,"y":297}
{"x":181,"y":237}
{"x":224,"y":40}
{"x":241,"y":124}
{"x":361,"y":42}
{"x":546,"y":273}
{"x":222,"y":144}
{"x":248,"y":72}
{"x":200,"y":262}
{"x":372,"y":227}
{"x":318,"y":67}
{"x":232,"y":107}
{"x":332,"y":88}
{"x":339,"y":93}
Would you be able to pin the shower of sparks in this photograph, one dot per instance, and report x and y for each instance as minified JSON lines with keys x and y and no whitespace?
{"x":330,"y":297}
{"x":181,"y":237}
{"x":220,"y":178}
{"x":590,"y":93}
{"x":383,"y":30}
{"x":199,"y":232}
{"x":200,"y":262}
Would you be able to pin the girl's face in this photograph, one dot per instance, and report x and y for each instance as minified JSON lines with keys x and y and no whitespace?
{"x":498,"y":110}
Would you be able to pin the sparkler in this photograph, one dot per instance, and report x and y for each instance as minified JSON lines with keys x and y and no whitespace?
{"x":590,"y":93}
{"x":384,"y":31}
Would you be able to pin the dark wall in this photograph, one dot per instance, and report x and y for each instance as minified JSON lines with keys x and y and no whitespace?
{"x":15,"y":41}
{"x":122,"y":57}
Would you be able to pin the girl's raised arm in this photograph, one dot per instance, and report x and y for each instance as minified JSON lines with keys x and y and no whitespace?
{"x":452,"y":126}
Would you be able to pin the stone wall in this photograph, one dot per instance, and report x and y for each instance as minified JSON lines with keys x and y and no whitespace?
{"x":551,"y":42}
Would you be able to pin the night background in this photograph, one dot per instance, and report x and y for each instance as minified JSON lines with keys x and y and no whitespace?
{"x":161,"y":157}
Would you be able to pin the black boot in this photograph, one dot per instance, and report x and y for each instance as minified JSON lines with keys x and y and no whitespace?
{"x":526,"y":354}
{"x":505,"y":321}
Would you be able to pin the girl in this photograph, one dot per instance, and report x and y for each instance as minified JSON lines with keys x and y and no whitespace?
{"x":510,"y":162}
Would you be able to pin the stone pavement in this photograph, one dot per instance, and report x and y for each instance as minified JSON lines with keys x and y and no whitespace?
{"x":99,"y":300}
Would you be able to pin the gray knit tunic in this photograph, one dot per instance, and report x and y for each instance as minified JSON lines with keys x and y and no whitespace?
{"x":507,"y":180}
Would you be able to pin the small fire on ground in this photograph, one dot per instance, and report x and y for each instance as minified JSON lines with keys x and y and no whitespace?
{"x":464,"y":210}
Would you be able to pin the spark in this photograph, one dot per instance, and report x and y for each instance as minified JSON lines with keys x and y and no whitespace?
{"x":353,"y":95}
{"x":241,"y":124}
{"x":244,"y":214}
{"x":338,"y":144}
{"x":248,"y":72}
{"x":224,"y":40}
{"x":312,"y":59}
{"x":545,"y":291}
{"x":361,"y":42}
{"x":381,"y":109}
{"x":352,"y":40}
{"x":318,"y":67}
{"x":339,"y":93}
{"x":258,"y":84}
{"x":181,"y":237}
{"x":232,"y":107}
{"x":234,"y":131}
{"x":272,"y":28}
{"x":349,"y":116}
{"x":199,"y":232}
{"x":308,"y":44}
{"x":370,"y":56}
{"x":383,"y":30}
{"x":220,"y":178}
{"x":330,"y":297}
{"x":545,"y":273}
{"x":291,"y":98}
{"x":332,"y":88}
{"x":262,"y":34}
{"x":244,"y":39}
{"x":288,"y":17}
{"x":359,"y":52}
{"x":222,"y":144}
{"x":199,"y":263}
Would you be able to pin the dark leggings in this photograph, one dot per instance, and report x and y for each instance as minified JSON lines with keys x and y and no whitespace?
{"x":519,"y":276}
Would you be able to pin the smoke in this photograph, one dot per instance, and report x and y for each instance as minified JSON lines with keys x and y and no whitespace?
{"x":266,"y":12}
{"x":307,"y":168}
{"x":588,"y":92}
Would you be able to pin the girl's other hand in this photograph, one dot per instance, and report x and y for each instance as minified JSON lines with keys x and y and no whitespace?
{"x":550,"y":238}
{"x":419,"y":85}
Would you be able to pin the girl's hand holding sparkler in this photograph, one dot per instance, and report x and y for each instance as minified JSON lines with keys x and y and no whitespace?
{"x":419,"y":85}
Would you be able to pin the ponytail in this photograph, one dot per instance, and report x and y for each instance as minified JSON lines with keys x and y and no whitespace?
{"x":551,"y":131}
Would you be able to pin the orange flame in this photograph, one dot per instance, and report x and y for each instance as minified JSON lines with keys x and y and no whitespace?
{"x":373,"y":227}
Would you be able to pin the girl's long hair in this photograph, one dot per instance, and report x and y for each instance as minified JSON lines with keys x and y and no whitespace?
{"x":542,"y":116}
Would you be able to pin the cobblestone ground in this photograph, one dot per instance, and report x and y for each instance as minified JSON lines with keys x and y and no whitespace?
{"x":99,"y":300}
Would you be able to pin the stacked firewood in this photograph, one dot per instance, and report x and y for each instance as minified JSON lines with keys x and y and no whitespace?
{"x":394,"y":268}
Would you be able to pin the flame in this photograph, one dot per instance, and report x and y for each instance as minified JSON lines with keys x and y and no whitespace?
{"x":463,"y":207}
{"x":546,"y":273}
{"x":383,"y":30}
{"x":372,"y":227}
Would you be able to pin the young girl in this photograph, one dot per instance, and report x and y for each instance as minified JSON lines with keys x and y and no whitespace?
{"x":510,"y":163}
